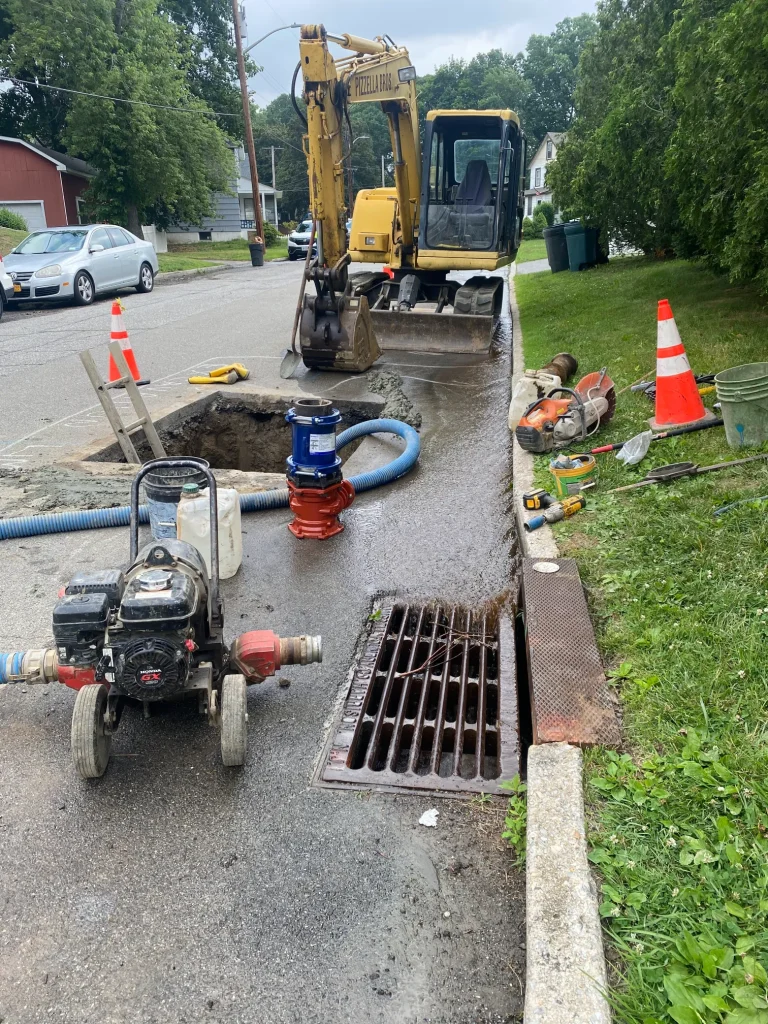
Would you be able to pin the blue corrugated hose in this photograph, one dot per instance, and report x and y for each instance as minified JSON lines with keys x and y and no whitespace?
{"x":10,"y":669}
{"x":96,"y":518}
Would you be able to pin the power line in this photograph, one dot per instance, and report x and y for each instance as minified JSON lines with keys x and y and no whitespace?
{"x":119,"y":99}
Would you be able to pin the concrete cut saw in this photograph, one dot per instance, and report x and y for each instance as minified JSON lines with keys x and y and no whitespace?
{"x":567,"y":415}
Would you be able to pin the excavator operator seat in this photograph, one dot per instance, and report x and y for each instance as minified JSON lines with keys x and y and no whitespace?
{"x":475,"y":188}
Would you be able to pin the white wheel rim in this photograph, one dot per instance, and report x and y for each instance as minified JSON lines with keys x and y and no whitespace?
{"x":84,"y":287}
{"x":146,"y":277}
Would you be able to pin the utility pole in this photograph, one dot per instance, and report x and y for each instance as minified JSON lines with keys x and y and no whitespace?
{"x":251,"y":148}
{"x":274,"y":185}
{"x":383,"y":181}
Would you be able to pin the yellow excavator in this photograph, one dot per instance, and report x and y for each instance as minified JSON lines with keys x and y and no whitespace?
{"x":456,"y":205}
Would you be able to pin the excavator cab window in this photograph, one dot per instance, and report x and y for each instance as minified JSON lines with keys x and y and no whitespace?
{"x":467,"y":179}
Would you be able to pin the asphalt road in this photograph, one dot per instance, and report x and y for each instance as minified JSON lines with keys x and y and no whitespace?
{"x":174,"y":890}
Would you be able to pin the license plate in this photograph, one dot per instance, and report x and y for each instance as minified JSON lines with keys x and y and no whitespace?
{"x":17,"y":287}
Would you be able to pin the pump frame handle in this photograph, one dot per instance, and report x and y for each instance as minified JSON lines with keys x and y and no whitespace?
{"x":213,"y":506}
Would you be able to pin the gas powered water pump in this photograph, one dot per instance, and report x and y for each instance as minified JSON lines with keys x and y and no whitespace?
{"x":152,"y":634}
{"x":317,"y":493}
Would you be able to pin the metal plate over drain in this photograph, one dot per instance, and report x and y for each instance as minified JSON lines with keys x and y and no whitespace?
{"x":432,"y":704}
{"x":570,"y":701}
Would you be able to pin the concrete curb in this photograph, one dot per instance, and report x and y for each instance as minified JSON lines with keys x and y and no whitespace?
{"x":565,"y":975}
{"x":169,"y":276}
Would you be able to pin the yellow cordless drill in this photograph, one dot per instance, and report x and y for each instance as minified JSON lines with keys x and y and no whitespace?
{"x":558,"y":510}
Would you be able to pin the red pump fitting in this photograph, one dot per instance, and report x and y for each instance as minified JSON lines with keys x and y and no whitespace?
{"x":316,"y":510}
{"x":261,"y":653}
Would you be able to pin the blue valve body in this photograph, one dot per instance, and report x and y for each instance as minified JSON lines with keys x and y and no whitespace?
{"x":314,"y":457}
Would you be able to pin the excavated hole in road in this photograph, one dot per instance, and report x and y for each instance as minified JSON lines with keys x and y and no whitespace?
{"x":247,"y":432}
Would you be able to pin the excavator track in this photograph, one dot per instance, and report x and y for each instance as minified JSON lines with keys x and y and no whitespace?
{"x":479,"y":296}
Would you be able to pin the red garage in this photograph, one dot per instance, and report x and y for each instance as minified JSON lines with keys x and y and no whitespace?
{"x":41,"y":185}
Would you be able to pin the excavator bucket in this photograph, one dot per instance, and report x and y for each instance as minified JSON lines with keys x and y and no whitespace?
{"x":341,"y":338}
{"x":447,"y":332}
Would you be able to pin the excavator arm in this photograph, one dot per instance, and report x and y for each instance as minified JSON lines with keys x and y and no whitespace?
{"x":336,"y":329}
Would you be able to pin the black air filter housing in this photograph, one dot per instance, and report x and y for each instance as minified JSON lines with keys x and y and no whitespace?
{"x":79,"y":623}
{"x":107,"y":581}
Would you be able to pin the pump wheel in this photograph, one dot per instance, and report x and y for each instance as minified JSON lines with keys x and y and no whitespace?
{"x":234,"y":720}
{"x":91,"y":742}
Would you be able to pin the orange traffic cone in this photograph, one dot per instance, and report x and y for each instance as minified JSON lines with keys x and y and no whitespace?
{"x":120,"y":334}
{"x":678,"y":402}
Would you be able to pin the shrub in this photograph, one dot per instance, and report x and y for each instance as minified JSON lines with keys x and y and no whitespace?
{"x":12,"y":220}
{"x":533,"y":227}
{"x":287,"y":226}
{"x":271,"y":234}
{"x":548,"y":210}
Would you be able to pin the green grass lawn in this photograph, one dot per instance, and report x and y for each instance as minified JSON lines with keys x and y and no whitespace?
{"x":679,"y":598}
{"x":170,"y":261}
{"x":531,"y":249}
{"x":236,"y":249}
{"x":10,"y":238}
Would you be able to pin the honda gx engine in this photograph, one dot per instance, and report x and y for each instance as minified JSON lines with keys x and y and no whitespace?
{"x":141,"y":633}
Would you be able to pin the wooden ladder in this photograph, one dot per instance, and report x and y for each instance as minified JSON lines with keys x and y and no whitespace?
{"x":143,"y":420}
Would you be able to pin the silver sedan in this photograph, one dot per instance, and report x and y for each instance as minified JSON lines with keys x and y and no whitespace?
{"x":79,"y":262}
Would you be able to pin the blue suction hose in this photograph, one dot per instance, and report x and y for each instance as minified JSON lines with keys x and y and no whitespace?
{"x":97,"y":518}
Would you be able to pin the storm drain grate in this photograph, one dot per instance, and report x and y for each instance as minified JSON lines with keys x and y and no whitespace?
{"x":432,"y":703}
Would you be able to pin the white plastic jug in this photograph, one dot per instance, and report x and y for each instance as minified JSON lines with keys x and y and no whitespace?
{"x":533,"y":384}
{"x":193,"y":524}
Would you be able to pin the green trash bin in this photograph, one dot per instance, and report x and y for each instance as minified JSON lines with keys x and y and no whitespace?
{"x":557,"y":248}
{"x":582,"y":245}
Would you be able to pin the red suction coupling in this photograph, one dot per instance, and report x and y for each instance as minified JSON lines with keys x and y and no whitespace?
{"x":316,"y":510}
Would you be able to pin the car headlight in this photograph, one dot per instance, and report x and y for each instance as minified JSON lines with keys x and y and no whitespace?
{"x":53,"y":271}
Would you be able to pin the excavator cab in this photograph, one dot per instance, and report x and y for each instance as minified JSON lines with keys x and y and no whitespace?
{"x":473,"y":162}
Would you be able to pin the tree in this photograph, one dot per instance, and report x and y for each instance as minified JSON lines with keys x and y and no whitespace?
{"x":549,"y":69}
{"x":278,"y":125}
{"x":152,"y":164}
{"x":669,"y":150}
{"x":717,"y":159}
{"x":488,"y":81}
{"x":610,"y":171}
{"x":210,"y":56}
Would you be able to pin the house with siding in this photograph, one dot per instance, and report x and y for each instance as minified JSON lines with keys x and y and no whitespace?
{"x":41,"y":185}
{"x":233,"y":214}
{"x":546,"y":153}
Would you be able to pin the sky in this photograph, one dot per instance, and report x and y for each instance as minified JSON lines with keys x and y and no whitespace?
{"x":433,"y":30}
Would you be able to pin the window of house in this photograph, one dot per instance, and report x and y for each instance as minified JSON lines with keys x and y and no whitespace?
{"x":204,"y":236}
{"x":530,"y":205}
{"x":537,"y":178}
{"x":549,"y":149}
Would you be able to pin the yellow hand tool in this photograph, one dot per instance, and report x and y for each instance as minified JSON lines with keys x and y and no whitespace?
{"x":230,"y":374}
